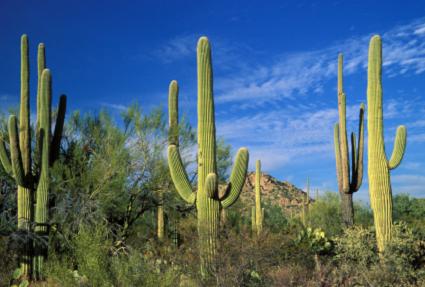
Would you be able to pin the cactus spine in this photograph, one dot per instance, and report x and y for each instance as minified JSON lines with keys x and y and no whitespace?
{"x":257,"y":210}
{"x":346,"y":187}
{"x":32,"y":176}
{"x":207,"y":200}
{"x":378,"y":165}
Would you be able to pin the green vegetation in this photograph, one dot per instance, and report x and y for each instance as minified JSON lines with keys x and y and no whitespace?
{"x":99,"y":203}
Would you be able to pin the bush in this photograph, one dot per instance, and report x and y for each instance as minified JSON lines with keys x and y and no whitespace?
{"x":358,"y":262}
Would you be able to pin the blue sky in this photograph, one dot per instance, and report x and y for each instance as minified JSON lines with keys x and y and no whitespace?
{"x":274,"y":70}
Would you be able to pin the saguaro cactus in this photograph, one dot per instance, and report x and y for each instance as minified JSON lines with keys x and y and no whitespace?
{"x":305,"y":203}
{"x":207,"y":200}
{"x":378,"y":165}
{"x":32,"y":176}
{"x":258,"y":211}
{"x":347,"y":187}
{"x":160,"y":217}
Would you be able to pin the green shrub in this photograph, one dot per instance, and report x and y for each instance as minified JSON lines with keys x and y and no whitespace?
{"x":358,"y":262}
{"x":325,"y":213}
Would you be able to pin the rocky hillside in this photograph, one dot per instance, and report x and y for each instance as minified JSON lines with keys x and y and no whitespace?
{"x":283,"y":193}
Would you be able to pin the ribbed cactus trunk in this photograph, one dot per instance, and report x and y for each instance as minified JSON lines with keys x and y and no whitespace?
{"x":160,"y":218}
{"x":347,"y":209}
{"x":207,"y":198}
{"x":378,"y":165}
{"x":223,"y":217}
{"x":175,"y":234}
{"x":253,"y":221}
{"x":208,"y":207}
{"x":258,"y":210}
{"x":25,"y":196}
{"x":306,"y":203}
{"x":41,"y":211}
{"x":32,"y":176}
{"x":347,"y":186}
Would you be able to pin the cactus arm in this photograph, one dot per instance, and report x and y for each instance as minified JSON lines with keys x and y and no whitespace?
{"x":15,"y":154}
{"x":357,"y":181}
{"x":57,"y":135}
{"x":175,"y":163}
{"x":41,"y":65}
{"x":237,"y":178}
{"x":173,"y":116}
{"x":337,"y":156}
{"x":211,"y":185}
{"x":399,"y":147}
{"x":24,"y":118}
{"x":343,"y":129}
{"x":179,"y":175}
{"x":4,"y":158}
{"x":353,"y":158}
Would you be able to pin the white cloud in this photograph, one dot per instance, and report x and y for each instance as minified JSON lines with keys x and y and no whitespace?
{"x":115,"y":106}
{"x":282,"y":136}
{"x":304,"y":72}
{"x":177,"y":48}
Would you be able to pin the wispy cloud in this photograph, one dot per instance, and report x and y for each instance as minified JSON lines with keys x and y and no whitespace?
{"x":304,"y":72}
{"x":227,"y":55}
{"x":177,"y":48}
{"x":282,"y":136}
{"x":115,"y":106}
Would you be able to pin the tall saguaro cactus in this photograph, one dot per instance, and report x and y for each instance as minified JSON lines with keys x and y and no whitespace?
{"x":32,"y":175}
{"x":347,"y":186}
{"x":378,"y":165}
{"x":257,"y":210}
{"x":207,"y":199}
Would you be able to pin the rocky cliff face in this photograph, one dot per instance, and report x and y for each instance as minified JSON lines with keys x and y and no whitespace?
{"x":273,"y":191}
